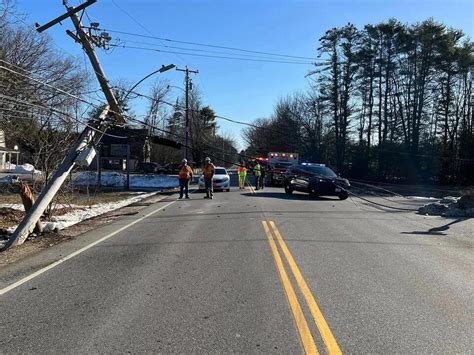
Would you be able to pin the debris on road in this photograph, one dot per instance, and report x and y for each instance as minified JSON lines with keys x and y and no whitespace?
{"x":450,"y":206}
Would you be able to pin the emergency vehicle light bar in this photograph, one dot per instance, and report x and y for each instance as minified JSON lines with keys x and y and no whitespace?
{"x":313,"y":164}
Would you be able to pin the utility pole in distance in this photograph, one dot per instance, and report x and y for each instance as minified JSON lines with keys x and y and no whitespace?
{"x":188,"y":86}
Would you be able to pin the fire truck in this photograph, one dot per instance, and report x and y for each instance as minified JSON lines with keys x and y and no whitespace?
{"x":277,"y":164}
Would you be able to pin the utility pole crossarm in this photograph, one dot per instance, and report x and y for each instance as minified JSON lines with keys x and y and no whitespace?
{"x":84,"y":40}
{"x":71,"y":11}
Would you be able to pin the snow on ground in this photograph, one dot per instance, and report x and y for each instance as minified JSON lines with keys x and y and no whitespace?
{"x":82,"y":213}
{"x":21,"y":169}
{"x":19,"y":206}
{"x":119,"y":180}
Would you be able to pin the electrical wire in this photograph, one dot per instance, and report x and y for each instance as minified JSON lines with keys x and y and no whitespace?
{"x":58,"y":112}
{"x":46,"y":84}
{"x":210,"y":56}
{"x":212,"y":46}
{"x":195,"y":49}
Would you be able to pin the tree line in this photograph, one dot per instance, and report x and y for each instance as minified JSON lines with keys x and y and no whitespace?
{"x":168,"y":120}
{"x":389,"y":101}
{"x":29,"y":110}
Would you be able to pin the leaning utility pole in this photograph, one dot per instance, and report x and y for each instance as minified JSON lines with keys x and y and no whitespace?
{"x":188,"y":87}
{"x":82,"y":151}
{"x":85,"y":40}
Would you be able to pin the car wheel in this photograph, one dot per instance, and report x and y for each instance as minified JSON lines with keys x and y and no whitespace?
{"x":312,"y":192}
{"x":343,"y":196}
{"x":288,"y":189}
{"x":228,"y":190}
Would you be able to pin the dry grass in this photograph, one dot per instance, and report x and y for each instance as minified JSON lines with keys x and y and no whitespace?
{"x":75,"y":198}
{"x":10,"y":198}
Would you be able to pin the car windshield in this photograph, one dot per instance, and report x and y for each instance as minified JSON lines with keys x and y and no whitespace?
{"x":221,"y":171}
{"x":320,"y":170}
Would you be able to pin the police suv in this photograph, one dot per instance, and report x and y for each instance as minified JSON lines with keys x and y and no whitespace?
{"x":315,"y":179}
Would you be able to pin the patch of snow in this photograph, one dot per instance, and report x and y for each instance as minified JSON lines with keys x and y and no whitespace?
{"x":19,"y":206}
{"x":448,"y":207}
{"x":82,"y":213}
{"x":449,"y":199}
{"x":8,"y":180}
{"x":109,"y":179}
{"x":119,"y":180}
{"x":14,"y":206}
{"x":153,"y":181}
{"x":22,"y":169}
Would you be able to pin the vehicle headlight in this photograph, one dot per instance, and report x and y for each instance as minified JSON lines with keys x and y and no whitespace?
{"x":320,"y":180}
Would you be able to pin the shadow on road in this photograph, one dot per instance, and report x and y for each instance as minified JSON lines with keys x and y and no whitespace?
{"x":437,"y":230}
{"x":264,"y":240}
{"x":283,"y":196}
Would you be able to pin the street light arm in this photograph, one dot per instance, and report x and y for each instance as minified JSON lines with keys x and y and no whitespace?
{"x":161,"y":70}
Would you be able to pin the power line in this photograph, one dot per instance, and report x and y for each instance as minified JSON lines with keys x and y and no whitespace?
{"x":57,"y":112}
{"x":211,"y":56}
{"x":213,"y":46}
{"x":197,"y":50}
{"x":44,"y":83}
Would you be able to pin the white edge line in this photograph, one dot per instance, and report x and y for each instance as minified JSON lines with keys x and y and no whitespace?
{"x":77,"y":252}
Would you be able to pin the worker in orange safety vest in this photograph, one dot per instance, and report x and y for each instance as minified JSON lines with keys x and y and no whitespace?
{"x":185,"y":175}
{"x":208,"y":172}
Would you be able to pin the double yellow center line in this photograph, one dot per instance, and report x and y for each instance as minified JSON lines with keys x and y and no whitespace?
{"x":307,"y":339}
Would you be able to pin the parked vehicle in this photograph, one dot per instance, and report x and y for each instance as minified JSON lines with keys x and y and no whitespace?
{"x":277,"y":165}
{"x":221,"y":180}
{"x":173,"y":168}
{"x":150,"y":168}
{"x":317,"y":180}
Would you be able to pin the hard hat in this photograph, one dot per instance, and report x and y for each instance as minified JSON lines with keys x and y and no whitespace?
{"x":185,"y":161}
{"x":207,"y":159}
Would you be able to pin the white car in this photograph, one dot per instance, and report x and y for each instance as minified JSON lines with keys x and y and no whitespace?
{"x":221,"y":180}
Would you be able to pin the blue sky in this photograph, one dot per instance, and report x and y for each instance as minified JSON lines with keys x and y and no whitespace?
{"x":236,"y":89}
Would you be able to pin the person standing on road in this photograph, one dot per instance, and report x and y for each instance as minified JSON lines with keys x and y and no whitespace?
{"x":262,"y":177}
{"x":185,"y":175}
{"x":242,"y":171}
{"x":257,"y":171}
{"x":208,"y":172}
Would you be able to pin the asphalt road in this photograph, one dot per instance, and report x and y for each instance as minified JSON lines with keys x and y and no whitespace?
{"x":249,"y":272}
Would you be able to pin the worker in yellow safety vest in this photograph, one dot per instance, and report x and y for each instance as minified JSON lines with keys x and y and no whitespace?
{"x":242,"y":171}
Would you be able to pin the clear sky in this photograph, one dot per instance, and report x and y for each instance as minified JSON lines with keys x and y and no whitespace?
{"x":237,"y":89}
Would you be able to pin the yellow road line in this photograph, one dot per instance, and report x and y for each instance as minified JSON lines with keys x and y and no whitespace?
{"x":252,"y":190}
{"x":301,"y":323}
{"x":326,"y":334}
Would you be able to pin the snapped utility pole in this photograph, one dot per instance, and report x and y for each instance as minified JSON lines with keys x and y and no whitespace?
{"x":82,"y":150}
{"x":188,"y":87}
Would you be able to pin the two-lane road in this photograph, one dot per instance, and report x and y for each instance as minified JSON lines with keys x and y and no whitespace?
{"x":248,"y":272}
